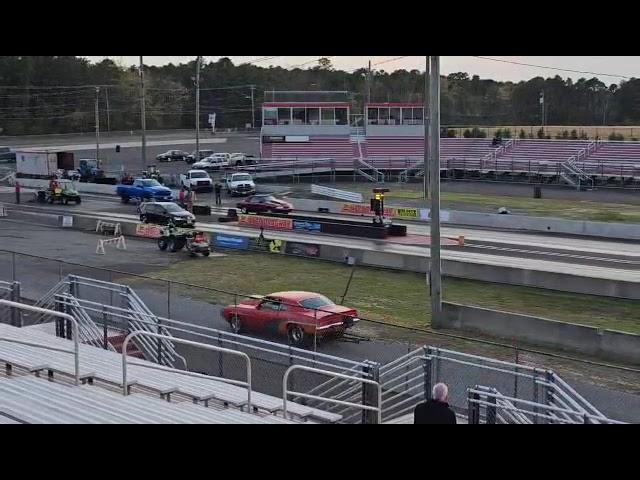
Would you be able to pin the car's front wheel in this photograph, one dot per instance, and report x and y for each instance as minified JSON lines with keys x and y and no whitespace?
{"x":236,"y":324}
{"x":296,"y":335}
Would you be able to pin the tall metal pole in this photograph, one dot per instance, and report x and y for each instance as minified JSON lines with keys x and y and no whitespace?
{"x":106,"y":96}
{"x":97,"y":128}
{"x":369,"y":84}
{"x":253,"y":109}
{"x":198,"y":60}
{"x":435,"y":270}
{"x":542,"y":108}
{"x":425,"y":115}
{"x":143,"y":117}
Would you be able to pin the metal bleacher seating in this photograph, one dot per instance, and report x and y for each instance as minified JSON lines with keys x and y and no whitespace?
{"x":103,"y":368}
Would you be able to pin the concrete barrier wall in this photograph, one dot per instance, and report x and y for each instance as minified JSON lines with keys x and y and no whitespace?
{"x":410,"y":263}
{"x":515,"y":222}
{"x":570,"y":337}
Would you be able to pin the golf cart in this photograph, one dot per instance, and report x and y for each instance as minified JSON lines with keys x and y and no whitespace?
{"x":175,"y":239}
{"x":63,"y":193}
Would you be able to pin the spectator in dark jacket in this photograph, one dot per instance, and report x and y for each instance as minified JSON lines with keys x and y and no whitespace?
{"x":435,"y":411}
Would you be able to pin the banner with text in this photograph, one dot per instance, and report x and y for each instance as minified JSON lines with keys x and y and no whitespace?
{"x":270,"y":223}
{"x":148,"y":231}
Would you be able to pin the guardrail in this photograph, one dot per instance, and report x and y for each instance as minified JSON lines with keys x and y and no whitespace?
{"x":286,"y":392}
{"x":125,"y":386}
{"x":53,"y":313}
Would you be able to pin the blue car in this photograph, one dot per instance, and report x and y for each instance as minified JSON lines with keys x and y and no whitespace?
{"x":144,"y":189}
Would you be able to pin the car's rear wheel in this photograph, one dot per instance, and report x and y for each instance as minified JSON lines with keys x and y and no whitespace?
{"x":236,"y":324}
{"x":296,"y":335}
{"x":162,"y":244}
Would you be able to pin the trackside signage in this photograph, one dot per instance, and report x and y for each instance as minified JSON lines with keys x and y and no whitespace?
{"x":271,"y":223}
{"x":393,"y":212}
{"x":148,"y":231}
{"x":232,"y":241}
{"x":335,"y":193}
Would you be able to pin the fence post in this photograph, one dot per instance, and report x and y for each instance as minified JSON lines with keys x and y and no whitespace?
{"x":427,"y":369}
{"x":60,"y":322}
{"x":491,"y":411}
{"x":16,"y":314}
{"x":473,"y":409}
{"x":371,"y":371}
{"x":13,"y":266}
{"x":73,"y":291}
{"x":104,"y":327}
{"x":535,"y":396}
{"x":515,"y":379}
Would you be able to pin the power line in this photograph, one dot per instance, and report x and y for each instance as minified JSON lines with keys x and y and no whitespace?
{"x":553,"y":68}
{"x":389,"y":60}
{"x":261,"y":59}
{"x":311,"y":61}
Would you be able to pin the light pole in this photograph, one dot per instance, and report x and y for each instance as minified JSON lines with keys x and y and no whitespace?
{"x":542,"y":109}
{"x":198,"y":62}
{"x":435,"y":267}
{"x":97,"y":128}
{"x":253,"y":108}
{"x":143,"y":117}
{"x":425,"y":115}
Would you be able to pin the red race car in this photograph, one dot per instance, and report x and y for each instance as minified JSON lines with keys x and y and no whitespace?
{"x":264,"y":204}
{"x":298,"y":315}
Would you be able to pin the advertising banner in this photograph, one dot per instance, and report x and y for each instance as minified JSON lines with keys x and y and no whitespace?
{"x":303,"y":249}
{"x":304,"y":226}
{"x":232,"y":241}
{"x":266,"y":245}
{"x":148,"y":231}
{"x":270,"y":223}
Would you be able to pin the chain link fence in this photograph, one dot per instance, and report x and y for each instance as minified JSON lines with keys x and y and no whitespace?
{"x":195,"y":313}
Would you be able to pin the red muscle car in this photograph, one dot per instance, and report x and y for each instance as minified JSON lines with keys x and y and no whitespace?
{"x":298,"y":315}
{"x":264,"y":204}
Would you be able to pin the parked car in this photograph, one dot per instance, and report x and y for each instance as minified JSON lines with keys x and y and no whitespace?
{"x":197,"y":180}
{"x":240,"y":159}
{"x":240,"y":184}
{"x":7,"y":155}
{"x":144,"y":189}
{"x":264,"y":204}
{"x":298,"y":315}
{"x":191,"y":158}
{"x":172,"y":156}
{"x":211,"y":163}
{"x":161,"y":212}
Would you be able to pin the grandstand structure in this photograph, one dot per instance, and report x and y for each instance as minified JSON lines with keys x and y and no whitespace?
{"x":318,"y":131}
{"x":57,"y":370}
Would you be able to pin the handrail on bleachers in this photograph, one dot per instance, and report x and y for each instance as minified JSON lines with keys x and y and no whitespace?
{"x":286,"y":392}
{"x":54,"y":313}
{"x":135,"y":333}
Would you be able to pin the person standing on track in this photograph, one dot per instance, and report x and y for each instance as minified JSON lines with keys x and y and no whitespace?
{"x":17,"y":192}
{"x":218,"y":190}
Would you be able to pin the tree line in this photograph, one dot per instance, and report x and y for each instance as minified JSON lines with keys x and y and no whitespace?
{"x":32,"y":100}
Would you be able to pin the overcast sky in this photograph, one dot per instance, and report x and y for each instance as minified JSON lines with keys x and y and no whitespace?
{"x":617,"y":66}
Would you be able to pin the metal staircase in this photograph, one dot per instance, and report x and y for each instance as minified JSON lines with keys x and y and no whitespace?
{"x":360,"y":165}
{"x":69,"y":294}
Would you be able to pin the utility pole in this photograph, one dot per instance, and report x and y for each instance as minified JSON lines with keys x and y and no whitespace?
{"x":253,"y":109}
{"x":425,"y":119}
{"x":106,"y":96}
{"x":198,"y":60}
{"x":542,"y":108}
{"x":97,"y":128}
{"x":369,"y":84}
{"x":143,"y":118}
{"x":435,"y":268}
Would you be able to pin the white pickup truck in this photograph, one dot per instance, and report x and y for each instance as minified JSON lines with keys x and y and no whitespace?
{"x":214,"y":162}
{"x":240,"y":184}
{"x":197,"y":180}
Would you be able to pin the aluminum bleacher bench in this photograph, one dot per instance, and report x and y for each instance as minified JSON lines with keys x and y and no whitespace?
{"x":106,"y":366}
